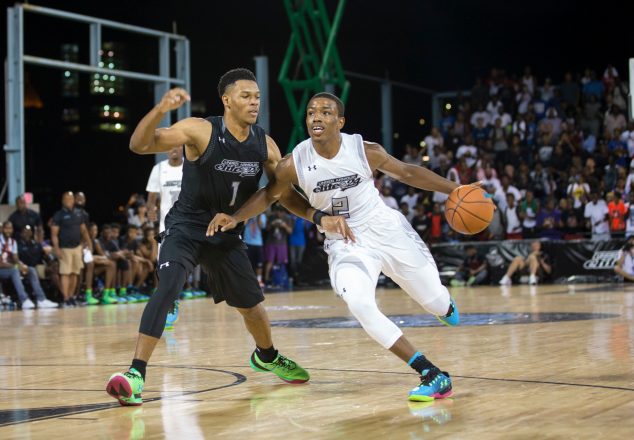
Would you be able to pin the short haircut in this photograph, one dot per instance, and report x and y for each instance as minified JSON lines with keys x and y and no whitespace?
{"x":115,"y":226}
{"x":230,"y":78}
{"x":470,"y":246}
{"x":105,"y":226}
{"x":341,"y":108}
{"x":132,"y":226}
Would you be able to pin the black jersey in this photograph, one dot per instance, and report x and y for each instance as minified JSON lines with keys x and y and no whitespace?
{"x":221,"y":179}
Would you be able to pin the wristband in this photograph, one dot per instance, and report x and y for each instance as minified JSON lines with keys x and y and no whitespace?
{"x":317,"y":216}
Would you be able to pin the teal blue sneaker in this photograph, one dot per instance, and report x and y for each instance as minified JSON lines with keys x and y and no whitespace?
{"x":172,"y":316}
{"x":435,"y":384}
{"x":186,"y":294}
{"x":452,"y":318}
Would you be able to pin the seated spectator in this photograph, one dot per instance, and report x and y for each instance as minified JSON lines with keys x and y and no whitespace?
{"x":23,"y":216}
{"x":434,"y":143}
{"x":435,"y":220}
{"x":597,"y":216}
{"x":473,"y":269}
{"x":413,"y":155}
{"x":480,"y":132}
{"x":549,"y":222}
{"x":511,"y":219}
{"x":537,"y":264}
{"x":139,"y":218}
{"x":11,"y":268}
{"x":480,"y":113}
{"x":386,"y":196}
{"x":101,"y":265}
{"x":409,"y":215}
{"x":110,"y":244}
{"x":625,"y":264}
{"x":570,"y":90}
{"x":147,"y":251}
{"x":614,"y":120}
{"x":494,"y":106}
{"x":140,"y":267}
{"x":469,"y":151}
{"x":498,"y":137}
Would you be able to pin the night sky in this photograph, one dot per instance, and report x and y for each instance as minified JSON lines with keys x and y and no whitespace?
{"x":440,"y":45}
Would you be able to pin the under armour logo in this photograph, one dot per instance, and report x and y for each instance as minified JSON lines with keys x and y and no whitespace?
{"x":344,"y":290}
{"x":221,"y":139}
{"x":312,"y":167}
{"x":166,"y":264}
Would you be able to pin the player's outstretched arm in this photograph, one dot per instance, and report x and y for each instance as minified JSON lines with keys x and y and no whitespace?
{"x":148,"y":138}
{"x":411,"y":175}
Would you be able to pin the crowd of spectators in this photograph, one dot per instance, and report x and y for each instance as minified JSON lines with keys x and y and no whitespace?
{"x":556,"y":158}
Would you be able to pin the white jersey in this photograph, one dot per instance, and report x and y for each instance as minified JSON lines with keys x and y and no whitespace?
{"x":165,"y":180}
{"x":343,"y":185}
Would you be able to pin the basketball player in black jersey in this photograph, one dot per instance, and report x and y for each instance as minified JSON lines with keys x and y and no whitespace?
{"x":224,"y":160}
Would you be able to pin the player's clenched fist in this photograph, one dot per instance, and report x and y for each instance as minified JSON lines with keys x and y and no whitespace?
{"x":174,"y":99}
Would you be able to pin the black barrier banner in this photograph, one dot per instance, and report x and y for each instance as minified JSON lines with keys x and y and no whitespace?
{"x":575,"y":258}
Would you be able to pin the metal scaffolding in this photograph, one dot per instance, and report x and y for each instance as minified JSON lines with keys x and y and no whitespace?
{"x":317,"y":63}
{"x":14,"y":75}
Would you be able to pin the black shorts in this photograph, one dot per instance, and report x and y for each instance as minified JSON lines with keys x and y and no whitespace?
{"x":256,"y":255}
{"x":225,"y":261}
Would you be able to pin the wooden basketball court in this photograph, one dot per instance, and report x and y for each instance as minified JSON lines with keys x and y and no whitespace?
{"x":528,"y":362}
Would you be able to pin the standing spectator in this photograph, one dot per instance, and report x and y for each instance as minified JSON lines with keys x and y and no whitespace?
{"x":500,"y":194}
{"x":413,"y":155}
{"x":549,"y":222}
{"x":523,"y":99}
{"x":436,"y":224}
{"x":578,"y":191}
{"x":80,"y":204}
{"x":494,"y":106}
{"x":67,"y":231}
{"x":480,"y":114}
{"x":594,"y":87}
{"x":498,"y":137}
{"x":528,"y":212}
{"x":386,"y":196}
{"x":570,"y":91}
{"x":629,"y":216}
{"x":411,"y":198}
{"x":529,"y":80}
{"x":11,"y":268}
{"x":473,"y":269}
{"x":88,"y":272}
{"x":511,"y":219}
{"x":597,"y":216}
{"x":164,"y":185}
{"x":614,"y":120}
{"x":297,"y":244}
{"x":421,"y":222}
{"x":617,"y":211}
{"x":496,"y":229}
{"x":538,"y":264}
{"x":255,"y":244}
{"x":469,"y":151}
{"x":276,"y":249}
{"x":23,"y":216}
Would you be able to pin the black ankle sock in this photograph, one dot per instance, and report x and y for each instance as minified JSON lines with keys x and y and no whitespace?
{"x":422,"y":364}
{"x":139,"y":366}
{"x":266,"y":354}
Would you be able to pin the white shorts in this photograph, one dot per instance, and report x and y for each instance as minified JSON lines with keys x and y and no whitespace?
{"x":389,"y":244}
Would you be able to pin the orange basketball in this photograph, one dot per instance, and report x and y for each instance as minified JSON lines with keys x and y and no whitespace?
{"x":469,"y":209}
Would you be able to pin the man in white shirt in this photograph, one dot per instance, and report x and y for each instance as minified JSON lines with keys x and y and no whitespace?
{"x":468,"y":150}
{"x":504,"y":116}
{"x":500,"y":194}
{"x":481,"y":113}
{"x":388,"y":199}
{"x":165,"y":184}
{"x":597,"y":214}
{"x":411,"y":198}
{"x":494,"y":107}
{"x":433,"y":144}
{"x":511,"y":219}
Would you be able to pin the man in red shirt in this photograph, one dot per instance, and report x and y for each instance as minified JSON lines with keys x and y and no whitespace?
{"x":616,"y":210}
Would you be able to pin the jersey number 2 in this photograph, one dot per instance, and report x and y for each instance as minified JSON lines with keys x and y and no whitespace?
{"x":235,"y":186}
{"x":341,"y":207}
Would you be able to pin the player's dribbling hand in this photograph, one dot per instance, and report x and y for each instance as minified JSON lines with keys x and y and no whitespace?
{"x":336,"y":224}
{"x":174,"y":99}
{"x":221,"y":221}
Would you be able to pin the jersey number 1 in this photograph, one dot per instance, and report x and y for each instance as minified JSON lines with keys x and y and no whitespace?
{"x":235,"y":186}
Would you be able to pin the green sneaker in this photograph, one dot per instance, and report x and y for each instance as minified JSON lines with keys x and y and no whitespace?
{"x":471,"y":281}
{"x":90,"y":300}
{"x":283,"y":367}
{"x":126,"y":387}
{"x":457,"y":283}
{"x":106,"y":297}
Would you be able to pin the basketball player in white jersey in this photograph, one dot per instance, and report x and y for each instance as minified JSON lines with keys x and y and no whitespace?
{"x":164,"y":186}
{"x":335,"y":170}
